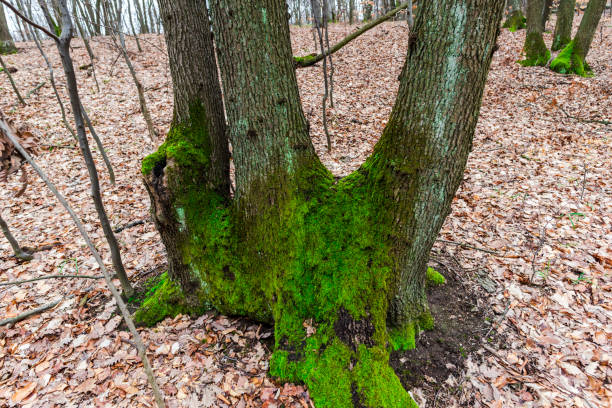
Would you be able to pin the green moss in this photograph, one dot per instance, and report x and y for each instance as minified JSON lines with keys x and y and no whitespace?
{"x":536,"y":53}
{"x":187,"y":143}
{"x":559,"y":42}
{"x":403,"y":338}
{"x":164,"y":299}
{"x":570,"y":62}
{"x":515,"y":21}
{"x":304,"y":60}
{"x":434,"y":278}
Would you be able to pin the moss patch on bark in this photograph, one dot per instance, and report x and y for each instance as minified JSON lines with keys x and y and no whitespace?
{"x":536,"y":53}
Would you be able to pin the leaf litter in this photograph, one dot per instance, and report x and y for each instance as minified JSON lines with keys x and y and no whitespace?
{"x":536,"y":195}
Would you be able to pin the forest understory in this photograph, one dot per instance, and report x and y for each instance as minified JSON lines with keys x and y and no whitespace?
{"x":527,"y":250}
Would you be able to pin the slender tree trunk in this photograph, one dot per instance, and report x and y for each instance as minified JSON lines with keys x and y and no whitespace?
{"x":63,"y":46}
{"x":572,"y":58}
{"x":563,"y":27}
{"x":333,"y":263}
{"x":515,"y":19}
{"x":351,"y":11}
{"x":535,"y":49}
{"x":12,"y":82}
{"x":17,"y":250}
{"x":7,"y":46}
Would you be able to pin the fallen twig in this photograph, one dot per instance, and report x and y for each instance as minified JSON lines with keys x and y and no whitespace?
{"x":35,"y":90}
{"x":601,"y":121}
{"x":25,"y":315}
{"x":464,"y":245}
{"x":19,"y":282}
{"x":130,"y":225}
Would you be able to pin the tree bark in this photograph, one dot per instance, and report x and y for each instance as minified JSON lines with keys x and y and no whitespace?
{"x":7,"y":46}
{"x":572,"y":58}
{"x":337,"y":265}
{"x":563,"y":27}
{"x":536,"y":53}
{"x":194,"y":160}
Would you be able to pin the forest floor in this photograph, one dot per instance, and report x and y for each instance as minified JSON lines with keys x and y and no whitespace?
{"x":535,"y":200}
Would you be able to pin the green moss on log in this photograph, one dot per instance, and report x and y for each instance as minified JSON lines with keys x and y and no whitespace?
{"x":570,"y":62}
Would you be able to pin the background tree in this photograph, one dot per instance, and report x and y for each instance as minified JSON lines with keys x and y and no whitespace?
{"x":7,"y":46}
{"x":337,"y":265}
{"x":515,"y":19}
{"x":563,"y":27}
{"x":535,"y":50}
{"x":572,"y":58}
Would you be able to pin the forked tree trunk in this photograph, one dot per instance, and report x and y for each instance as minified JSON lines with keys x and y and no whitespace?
{"x":337,"y":265}
{"x":572,"y":58}
{"x":536,"y":53}
{"x":563,"y":27}
{"x":7,"y":46}
{"x":515,"y":19}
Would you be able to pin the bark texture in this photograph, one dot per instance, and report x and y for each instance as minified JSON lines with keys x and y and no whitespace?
{"x":339,"y":266}
{"x":572,"y":58}
{"x":536,"y":53}
{"x":7,"y":46}
{"x":563,"y":27}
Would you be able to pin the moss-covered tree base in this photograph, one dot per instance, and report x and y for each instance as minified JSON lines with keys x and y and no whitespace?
{"x":570,"y":62}
{"x":515,"y":21}
{"x":536,"y":53}
{"x":319,"y":265}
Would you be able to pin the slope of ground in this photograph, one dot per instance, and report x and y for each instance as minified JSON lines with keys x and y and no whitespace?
{"x":536,"y":201}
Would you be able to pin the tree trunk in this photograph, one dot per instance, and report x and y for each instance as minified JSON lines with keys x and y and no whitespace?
{"x":536,"y":53}
{"x":563,"y":27}
{"x":337,"y":265}
{"x":351,"y":12}
{"x":192,"y":166}
{"x":572,"y":58}
{"x":7,"y":46}
{"x":515,"y":19}
{"x":546,"y":13}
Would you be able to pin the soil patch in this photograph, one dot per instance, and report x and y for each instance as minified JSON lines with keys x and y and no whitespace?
{"x":460,"y":326}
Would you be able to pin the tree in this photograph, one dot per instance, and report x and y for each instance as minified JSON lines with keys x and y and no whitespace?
{"x":572,"y":58}
{"x":563,"y":27}
{"x":536,"y":53}
{"x":339,"y":266}
{"x":515,"y":20}
{"x":7,"y":46}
